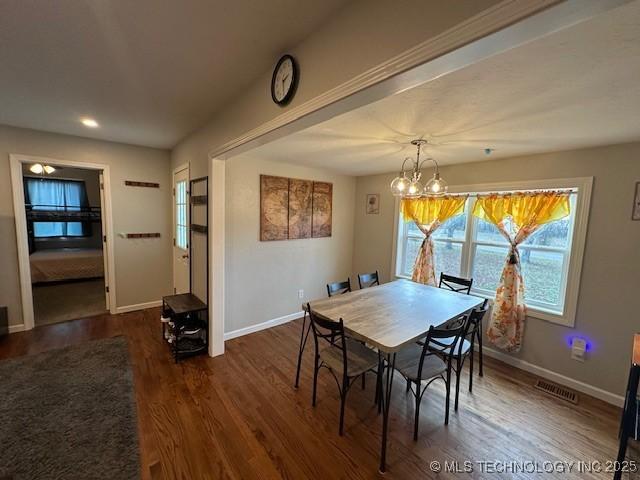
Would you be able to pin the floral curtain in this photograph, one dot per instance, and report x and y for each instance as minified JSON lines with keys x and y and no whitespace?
{"x":517,"y":216}
{"x":428,"y":213}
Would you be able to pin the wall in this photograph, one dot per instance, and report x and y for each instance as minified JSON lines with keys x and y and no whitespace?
{"x":263,"y":278}
{"x":91,"y":179}
{"x":361,"y":36}
{"x":607,"y":312}
{"x":143,"y":267}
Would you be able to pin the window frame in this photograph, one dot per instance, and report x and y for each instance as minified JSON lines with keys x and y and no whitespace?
{"x":572,"y":267}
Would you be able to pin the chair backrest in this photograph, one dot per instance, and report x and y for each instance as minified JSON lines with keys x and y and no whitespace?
{"x":474,"y":320}
{"x":338,"y":288}
{"x":366,"y":280}
{"x":326,"y":330}
{"x":434,"y":345}
{"x":457,"y":284}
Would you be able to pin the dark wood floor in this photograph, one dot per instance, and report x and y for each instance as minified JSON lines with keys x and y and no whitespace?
{"x":238,"y":416}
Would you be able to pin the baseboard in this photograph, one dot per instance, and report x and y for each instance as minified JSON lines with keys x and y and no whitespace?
{"x":262,"y":326}
{"x":16,"y":328}
{"x":138,"y":306}
{"x":596,"y":392}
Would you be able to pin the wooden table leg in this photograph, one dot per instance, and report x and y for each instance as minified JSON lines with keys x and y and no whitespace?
{"x":386,"y":400}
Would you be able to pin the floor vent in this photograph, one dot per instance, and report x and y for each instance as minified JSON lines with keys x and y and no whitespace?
{"x":557,"y":391}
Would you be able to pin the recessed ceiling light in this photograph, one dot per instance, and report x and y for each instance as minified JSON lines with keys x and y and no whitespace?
{"x":90,"y":122}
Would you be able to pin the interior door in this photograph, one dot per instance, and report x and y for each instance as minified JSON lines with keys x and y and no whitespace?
{"x":181,"y":266}
{"x":105,"y":258}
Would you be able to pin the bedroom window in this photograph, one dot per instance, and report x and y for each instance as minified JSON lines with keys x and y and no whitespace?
{"x":470,"y":247}
{"x":58,"y":196}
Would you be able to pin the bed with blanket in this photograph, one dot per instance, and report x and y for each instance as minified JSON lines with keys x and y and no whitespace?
{"x":64,"y":264}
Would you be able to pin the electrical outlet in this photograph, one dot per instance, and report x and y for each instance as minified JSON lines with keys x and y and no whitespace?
{"x":300,"y":294}
{"x":578,"y":349}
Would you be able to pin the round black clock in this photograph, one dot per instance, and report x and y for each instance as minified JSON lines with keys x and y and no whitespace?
{"x":284,"y":80}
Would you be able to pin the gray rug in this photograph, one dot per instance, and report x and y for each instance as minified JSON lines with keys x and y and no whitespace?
{"x":69,"y":414}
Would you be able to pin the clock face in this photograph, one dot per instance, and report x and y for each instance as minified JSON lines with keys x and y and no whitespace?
{"x":284,"y":80}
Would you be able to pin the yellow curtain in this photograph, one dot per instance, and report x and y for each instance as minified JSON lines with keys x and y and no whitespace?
{"x":428,"y":214}
{"x":527,"y":212}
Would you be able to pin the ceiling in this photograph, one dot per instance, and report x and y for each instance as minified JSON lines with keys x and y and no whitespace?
{"x":576,"y":88}
{"x":148,"y":71}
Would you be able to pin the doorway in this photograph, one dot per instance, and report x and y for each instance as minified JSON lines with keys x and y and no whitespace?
{"x":64,"y":238}
{"x":181,"y":226}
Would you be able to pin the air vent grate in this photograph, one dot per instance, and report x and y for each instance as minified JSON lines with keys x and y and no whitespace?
{"x":557,"y":391}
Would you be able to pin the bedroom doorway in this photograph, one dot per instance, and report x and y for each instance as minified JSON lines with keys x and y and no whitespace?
{"x":63,"y":220}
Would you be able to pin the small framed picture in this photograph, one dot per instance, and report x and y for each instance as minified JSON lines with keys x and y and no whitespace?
{"x":373,"y":204}
{"x":636,"y":203}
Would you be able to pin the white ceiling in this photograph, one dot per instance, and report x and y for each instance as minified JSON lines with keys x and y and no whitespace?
{"x":148,"y":71}
{"x":576,"y":88}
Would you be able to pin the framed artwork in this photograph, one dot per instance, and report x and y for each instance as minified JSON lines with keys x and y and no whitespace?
{"x":300,"y":196}
{"x":373,"y":204}
{"x":291,"y":208}
{"x":636,"y":203}
{"x":274,"y":208}
{"x":322,"y":209}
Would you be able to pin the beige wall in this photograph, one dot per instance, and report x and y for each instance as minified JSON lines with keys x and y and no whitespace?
{"x":143,"y":267}
{"x":263,"y":278}
{"x":607,"y":306}
{"x":361,"y":36}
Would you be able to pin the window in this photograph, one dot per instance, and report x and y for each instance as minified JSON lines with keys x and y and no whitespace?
{"x":181,"y":215}
{"x":470,"y":247}
{"x":56,"y":195}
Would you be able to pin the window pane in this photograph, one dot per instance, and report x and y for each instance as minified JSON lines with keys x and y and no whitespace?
{"x":453,"y":228}
{"x":448,"y":257}
{"x":488,"y":232}
{"x":542,"y":271}
{"x":412,"y":229}
{"x":411,"y":252}
{"x":487,"y":266}
{"x":554,"y":234}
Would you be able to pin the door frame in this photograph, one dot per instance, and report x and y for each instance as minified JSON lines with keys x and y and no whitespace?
{"x":179,"y":168}
{"x":15,"y":162}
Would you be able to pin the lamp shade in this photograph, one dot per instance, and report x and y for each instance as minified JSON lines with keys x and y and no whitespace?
{"x":399,"y":185}
{"x":435,"y":186}
{"x":36,"y":168}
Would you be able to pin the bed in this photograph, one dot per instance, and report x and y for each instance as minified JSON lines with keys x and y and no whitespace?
{"x":64,"y":264}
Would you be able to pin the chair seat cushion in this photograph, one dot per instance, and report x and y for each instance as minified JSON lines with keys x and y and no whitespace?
{"x":359,"y":358}
{"x":408,"y":361}
{"x":466,"y":346}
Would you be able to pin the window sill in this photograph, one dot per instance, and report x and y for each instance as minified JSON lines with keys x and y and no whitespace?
{"x":533,"y":312}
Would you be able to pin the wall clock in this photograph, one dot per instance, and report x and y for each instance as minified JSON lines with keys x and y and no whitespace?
{"x":284,"y":80}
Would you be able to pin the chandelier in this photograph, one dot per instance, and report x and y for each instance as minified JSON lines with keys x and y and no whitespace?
{"x":410,"y":187}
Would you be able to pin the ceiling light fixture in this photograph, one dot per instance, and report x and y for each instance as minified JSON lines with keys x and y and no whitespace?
{"x":90,"y":122}
{"x":40,"y":169}
{"x":402,"y":186}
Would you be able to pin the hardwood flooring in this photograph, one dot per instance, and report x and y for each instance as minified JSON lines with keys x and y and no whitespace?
{"x":239,"y":417}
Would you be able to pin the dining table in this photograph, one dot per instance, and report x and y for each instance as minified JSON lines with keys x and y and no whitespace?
{"x":389,"y":317}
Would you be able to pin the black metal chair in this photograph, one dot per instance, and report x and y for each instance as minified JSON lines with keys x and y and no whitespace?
{"x":466,"y":346}
{"x":457,"y":284}
{"x":334,"y":288}
{"x":338,"y":288}
{"x":345,"y":358}
{"x":366,"y":280}
{"x":418,"y":364}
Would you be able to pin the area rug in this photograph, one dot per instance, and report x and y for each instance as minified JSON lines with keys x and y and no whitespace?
{"x":69,"y":414}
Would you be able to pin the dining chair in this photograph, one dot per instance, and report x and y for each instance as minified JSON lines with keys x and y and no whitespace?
{"x":418,"y":364}
{"x":466,"y":346}
{"x":366,"y":280}
{"x":338,"y":288}
{"x":345,"y":358}
{"x":457,"y":284}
